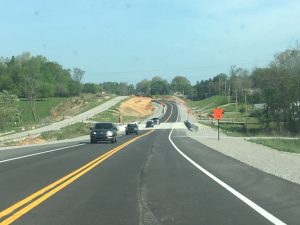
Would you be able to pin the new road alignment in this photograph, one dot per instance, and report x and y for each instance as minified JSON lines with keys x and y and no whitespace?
{"x":56,"y":126}
{"x":147,"y":182}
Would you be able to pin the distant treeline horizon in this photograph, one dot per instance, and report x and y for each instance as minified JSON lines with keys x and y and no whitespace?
{"x":276,"y":85}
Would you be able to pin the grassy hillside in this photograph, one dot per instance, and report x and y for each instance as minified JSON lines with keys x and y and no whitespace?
{"x":71,"y":131}
{"x":234,"y":116}
{"x":54,"y":109}
{"x":208,"y":104}
{"x":43,"y":109}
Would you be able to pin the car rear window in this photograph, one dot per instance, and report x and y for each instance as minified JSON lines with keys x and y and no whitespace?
{"x":103,"y":126}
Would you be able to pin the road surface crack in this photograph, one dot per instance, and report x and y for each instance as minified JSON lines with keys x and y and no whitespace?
{"x":146,"y":215}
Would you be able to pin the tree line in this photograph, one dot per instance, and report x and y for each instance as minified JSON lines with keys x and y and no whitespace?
{"x":33,"y":78}
{"x":277,"y":85}
{"x":36,"y":76}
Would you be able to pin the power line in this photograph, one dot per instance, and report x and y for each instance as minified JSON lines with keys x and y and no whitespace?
{"x":169,"y":69}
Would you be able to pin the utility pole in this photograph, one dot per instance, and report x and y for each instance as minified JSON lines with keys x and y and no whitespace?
{"x":236,"y":103}
{"x":229,"y":97}
{"x":298,"y":103}
{"x":246,"y":124}
{"x":219,"y":85}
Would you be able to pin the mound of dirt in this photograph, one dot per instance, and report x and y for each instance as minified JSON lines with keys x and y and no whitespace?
{"x":29,"y":141}
{"x":136,"y":106}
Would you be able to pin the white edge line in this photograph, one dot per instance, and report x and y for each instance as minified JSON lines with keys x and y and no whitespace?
{"x":40,"y":153}
{"x":243,"y":198}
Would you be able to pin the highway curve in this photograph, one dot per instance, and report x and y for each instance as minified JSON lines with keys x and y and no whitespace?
{"x":158,"y":177}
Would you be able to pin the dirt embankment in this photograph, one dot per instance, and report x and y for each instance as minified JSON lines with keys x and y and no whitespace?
{"x":76,"y":105}
{"x":36,"y":140}
{"x":136,"y":106}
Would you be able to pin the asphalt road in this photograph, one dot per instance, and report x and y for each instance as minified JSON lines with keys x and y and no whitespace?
{"x":157,"y":177}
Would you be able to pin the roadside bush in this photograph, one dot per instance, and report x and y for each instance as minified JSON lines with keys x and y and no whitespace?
{"x":242,"y":110}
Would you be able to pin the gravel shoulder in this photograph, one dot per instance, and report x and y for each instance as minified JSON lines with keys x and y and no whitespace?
{"x":282,"y":164}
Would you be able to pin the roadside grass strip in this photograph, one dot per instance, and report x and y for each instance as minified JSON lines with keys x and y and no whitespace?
{"x":286,"y":145}
{"x":40,"y":196}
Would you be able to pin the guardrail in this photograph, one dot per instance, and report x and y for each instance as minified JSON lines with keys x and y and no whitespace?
{"x":191,"y":126}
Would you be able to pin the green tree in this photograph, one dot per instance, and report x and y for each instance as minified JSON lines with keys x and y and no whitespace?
{"x":280,"y":87}
{"x":181,"y":84}
{"x":8,"y":109}
{"x":131,"y":89}
{"x":54,"y":78}
{"x":143,"y":88}
{"x":75,"y":84}
{"x":31,"y":70}
{"x":159,"y":86}
{"x":90,"y":88}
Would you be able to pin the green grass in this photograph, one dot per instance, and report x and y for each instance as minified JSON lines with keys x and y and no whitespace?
{"x":92,"y":102}
{"x":110,"y":115}
{"x":107,"y":116}
{"x":286,"y":145}
{"x":231,"y":107}
{"x":230,"y":117}
{"x":113,"y":116}
{"x":206,"y":106}
{"x":72,"y":131}
{"x":209,"y":103}
{"x":43,"y":109}
{"x":238,"y":130}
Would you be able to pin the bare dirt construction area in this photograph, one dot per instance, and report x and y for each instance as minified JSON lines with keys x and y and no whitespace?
{"x":27,"y":141}
{"x":137,"y":107}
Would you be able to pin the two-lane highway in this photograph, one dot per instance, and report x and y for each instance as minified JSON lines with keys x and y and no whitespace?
{"x":153,"y":178}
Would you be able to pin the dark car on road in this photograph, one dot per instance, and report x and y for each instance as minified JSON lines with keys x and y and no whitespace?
{"x":132,"y":129}
{"x":150,"y":123}
{"x":103,"y":132}
{"x":156,"y":120}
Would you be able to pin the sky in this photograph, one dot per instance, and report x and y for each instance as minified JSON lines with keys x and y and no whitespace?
{"x":127,"y":41}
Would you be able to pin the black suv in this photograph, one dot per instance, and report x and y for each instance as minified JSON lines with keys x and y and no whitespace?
{"x":132,"y":129}
{"x":103,"y":132}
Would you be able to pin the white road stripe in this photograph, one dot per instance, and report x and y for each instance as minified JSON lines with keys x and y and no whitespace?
{"x":243,"y":198}
{"x":40,"y":153}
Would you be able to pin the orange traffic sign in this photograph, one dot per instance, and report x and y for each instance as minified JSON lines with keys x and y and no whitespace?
{"x":218,"y":113}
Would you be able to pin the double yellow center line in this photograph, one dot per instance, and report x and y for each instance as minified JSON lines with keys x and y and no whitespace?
{"x":167,"y":120}
{"x":40,"y":196}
